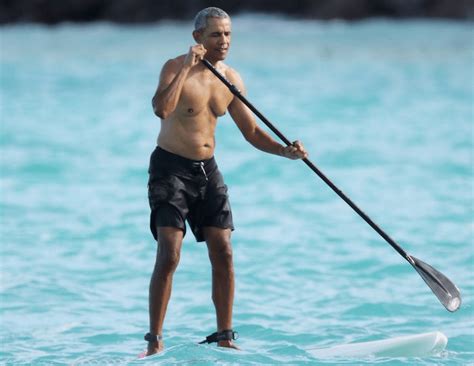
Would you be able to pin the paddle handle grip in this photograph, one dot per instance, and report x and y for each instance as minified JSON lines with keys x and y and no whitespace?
{"x":313,"y":167}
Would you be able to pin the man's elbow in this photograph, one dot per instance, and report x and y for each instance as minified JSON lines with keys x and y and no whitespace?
{"x":250,"y":136}
{"x":159,"y":110}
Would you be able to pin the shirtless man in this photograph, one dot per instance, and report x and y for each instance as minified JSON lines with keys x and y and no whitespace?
{"x":185,"y":183}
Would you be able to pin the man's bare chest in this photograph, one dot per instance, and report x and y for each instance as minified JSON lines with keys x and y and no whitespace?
{"x":201,"y":93}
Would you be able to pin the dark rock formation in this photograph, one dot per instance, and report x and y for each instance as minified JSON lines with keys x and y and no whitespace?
{"x":134,"y":11}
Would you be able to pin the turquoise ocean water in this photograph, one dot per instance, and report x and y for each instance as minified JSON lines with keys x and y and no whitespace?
{"x":385,"y":110}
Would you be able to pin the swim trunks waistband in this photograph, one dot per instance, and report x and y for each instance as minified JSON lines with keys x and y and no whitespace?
{"x":162,"y":160}
{"x":182,"y":161}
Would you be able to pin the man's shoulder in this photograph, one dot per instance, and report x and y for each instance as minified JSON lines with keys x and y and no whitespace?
{"x":232,"y":75}
{"x":225,"y":69}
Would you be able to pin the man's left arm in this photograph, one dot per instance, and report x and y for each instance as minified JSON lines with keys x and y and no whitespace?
{"x":245,"y":121}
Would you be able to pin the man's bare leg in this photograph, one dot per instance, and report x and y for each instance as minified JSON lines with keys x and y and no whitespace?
{"x":220,"y":255}
{"x":170,"y":240}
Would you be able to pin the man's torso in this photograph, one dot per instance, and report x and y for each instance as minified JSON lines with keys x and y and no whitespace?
{"x":189,"y":130}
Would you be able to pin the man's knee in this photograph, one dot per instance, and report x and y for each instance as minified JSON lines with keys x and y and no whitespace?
{"x":221,"y":256}
{"x":169,"y":250}
{"x":168,"y":261}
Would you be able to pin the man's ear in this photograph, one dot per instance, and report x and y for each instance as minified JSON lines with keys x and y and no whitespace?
{"x":197,"y":35}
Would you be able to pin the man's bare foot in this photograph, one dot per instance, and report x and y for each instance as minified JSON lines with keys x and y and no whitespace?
{"x":227,"y":344}
{"x":153,"y":348}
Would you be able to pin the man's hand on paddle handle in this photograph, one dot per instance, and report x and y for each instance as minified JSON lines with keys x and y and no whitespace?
{"x":195,"y":55}
{"x":294,"y":151}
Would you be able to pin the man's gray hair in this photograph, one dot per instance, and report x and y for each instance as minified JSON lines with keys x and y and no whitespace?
{"x":200,"y":21}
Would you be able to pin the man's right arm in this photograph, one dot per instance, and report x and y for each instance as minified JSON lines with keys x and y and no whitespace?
{"x":172,"y":78}
{"x":171,"y":83}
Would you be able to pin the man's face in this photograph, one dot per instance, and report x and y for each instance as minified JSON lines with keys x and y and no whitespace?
{"x":215,"y":38}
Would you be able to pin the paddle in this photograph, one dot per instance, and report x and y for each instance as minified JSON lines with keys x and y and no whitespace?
{"x":446,"y":291}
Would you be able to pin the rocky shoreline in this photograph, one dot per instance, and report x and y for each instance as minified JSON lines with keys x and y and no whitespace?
{"x":139,"y":11}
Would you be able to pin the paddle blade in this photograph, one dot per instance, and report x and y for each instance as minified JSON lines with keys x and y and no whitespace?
{"x":446,"y":291}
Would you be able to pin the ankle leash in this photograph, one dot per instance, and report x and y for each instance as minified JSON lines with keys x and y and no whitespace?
{"x":150,"y":338}
{"x":225,"y":335}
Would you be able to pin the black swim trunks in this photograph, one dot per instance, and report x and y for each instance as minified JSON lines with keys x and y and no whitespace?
{"x":181,"y":189}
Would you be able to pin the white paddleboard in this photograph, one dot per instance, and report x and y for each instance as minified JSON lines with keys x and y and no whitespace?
{"x":417,"y":345}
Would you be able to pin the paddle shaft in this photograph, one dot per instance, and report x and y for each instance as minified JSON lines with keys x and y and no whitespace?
{"x":313,"y":167}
